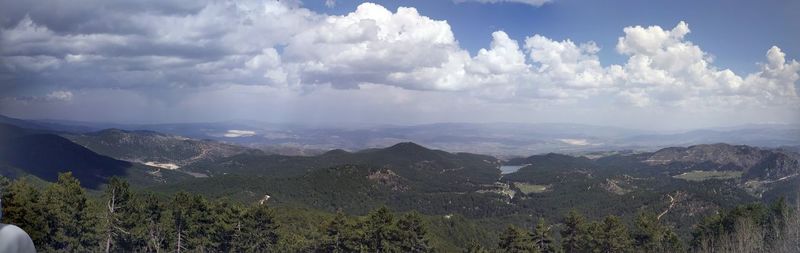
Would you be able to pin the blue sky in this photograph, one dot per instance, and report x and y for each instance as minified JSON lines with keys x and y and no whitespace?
{"x":641,"y":64}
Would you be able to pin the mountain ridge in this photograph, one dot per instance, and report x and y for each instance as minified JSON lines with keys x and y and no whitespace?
{"x":44,"y":155}
{"x":506,"y":140}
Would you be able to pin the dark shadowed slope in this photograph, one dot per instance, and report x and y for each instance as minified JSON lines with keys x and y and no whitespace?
{"x":44,"y":155}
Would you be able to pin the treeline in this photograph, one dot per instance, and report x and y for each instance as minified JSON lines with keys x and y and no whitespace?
{"x":63,"y":217}
{"x":580,"y":235}
{"x":750,"y":228}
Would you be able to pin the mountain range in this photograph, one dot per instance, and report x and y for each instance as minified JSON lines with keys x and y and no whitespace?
{"x":683,"y":183}
{"x":43,"y":154}
{"x":504,"y":140}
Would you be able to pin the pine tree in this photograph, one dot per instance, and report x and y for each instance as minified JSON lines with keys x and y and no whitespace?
{"x":259,"y":230}
{"x":22,"y":207}
{"x":776,"y":221}
{"x":200,"y":228}
{"x":593,"y":237}
{"x":227,"y":224}
{"x":181,"y":218}
{"x":380,"y":234}
{"x":672,"y":243}
{"x":574,"y":235}
{"x":475,"y":247}
{"x":412,"y":233}
{"x":153,"y":228}
{"x":647,"y":233}
{"x":4,"y":184}
{"x":120,"y":217}
{"x":67,"y":212}
{"x":542,"y":239}
{"x":613,"y":236}
{"x":339,"y":236}
{"x":192,"y":223}
{"x":514,"y":240}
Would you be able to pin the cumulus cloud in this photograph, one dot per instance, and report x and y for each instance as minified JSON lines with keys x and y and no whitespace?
{"x":664,"y":66}
{"x":563,"y":63}
{"x":368,"y":45}
{"x":167,"y":48}
{"x":776,"y":80}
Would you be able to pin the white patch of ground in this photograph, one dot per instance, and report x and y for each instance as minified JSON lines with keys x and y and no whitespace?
{"x":576,"y":142}
{"x":239,"y":133}
{"x":169,"y":166}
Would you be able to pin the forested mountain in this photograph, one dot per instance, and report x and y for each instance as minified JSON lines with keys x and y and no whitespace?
{"x":677,"y":186}
{"x":754,"y":163}
{"x":408,"y":177}
{"x":44,"y":155}
{"x":409,"y":160}
{"x":154,"y":147}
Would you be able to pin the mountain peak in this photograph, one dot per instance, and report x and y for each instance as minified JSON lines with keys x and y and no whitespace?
{"x":117,"y":131}
{"x":336,"y":152}
{"x":112,"y":131}
{"x":407,"y":147}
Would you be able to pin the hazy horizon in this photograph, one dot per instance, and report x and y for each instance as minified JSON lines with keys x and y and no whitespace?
{"x":365,"y":125}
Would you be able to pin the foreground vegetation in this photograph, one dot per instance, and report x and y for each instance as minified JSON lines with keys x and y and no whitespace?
{"x":63,"y":217}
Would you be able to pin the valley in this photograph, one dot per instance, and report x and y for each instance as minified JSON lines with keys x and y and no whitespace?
{"x":680,"y":185}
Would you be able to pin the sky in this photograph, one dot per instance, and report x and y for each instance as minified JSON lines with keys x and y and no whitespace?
{"x":637,"y":64}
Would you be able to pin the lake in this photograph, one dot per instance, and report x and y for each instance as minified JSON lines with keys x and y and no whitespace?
{"x":506,"y":169}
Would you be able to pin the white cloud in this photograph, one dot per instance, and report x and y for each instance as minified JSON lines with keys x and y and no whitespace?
{"x":565,"y":64}
{"x":664,"y":67}
{"x":528,"y":2}
{"x":777,"y":79}
{"x":373,"y":45}
{"x":330,"y":3}
{"x":493,"y":72}
{"x":650,"y":40}
{"x":634,"y":97}
{"x":59,"y":95}
{"x":503,"y":57}
{"x":277,"y":44}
